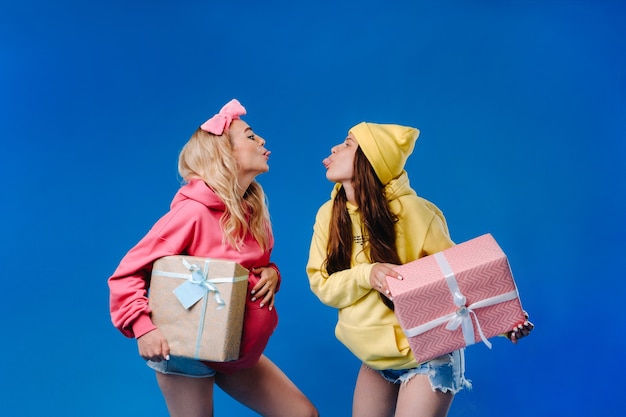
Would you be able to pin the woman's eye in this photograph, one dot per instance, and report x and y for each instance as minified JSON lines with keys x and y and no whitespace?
{"x":251,"y":137}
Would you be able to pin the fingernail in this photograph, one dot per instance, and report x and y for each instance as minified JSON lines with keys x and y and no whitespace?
{"x":520,"y":326}
{"x":391,"y":298}
{"x":167,"y":357}
{"x":387,"y":291}
{"x":253,"y":298}
{"x":271,"y":308}
{"x":261,"y":305}
{"x":252,"y":292}
{"x":400,"y":277}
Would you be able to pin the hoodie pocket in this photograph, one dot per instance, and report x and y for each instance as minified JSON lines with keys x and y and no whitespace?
{"x":374,"y":342}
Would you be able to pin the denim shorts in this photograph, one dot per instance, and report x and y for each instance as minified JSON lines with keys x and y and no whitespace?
{"x":445,"y":373}
{"x":178,"y":365}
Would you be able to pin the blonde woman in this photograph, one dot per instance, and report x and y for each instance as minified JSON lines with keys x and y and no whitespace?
{"x":219,"y":212}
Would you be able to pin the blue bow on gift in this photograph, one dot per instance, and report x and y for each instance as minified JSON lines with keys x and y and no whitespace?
{"x":197,"y":286}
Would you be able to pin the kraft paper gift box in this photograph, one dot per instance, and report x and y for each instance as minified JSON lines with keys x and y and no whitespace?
{"x":456,"y":298}
{"x":198,"y":304}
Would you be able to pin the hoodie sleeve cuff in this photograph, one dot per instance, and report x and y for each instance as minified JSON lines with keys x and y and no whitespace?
{"x":363,"y":277}
{"x":142,"y":325}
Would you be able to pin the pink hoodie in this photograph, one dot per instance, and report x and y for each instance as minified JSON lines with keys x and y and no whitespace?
{"x":191,"y":227}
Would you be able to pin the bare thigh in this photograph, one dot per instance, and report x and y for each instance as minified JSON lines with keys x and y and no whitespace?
{"x":187,"y":397}
{"x":374,"y":396}
{"x":265,"y":389}
{"x":417,"y":399}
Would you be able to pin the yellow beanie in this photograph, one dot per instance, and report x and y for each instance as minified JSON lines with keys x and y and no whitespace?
{"x":386,"y":146}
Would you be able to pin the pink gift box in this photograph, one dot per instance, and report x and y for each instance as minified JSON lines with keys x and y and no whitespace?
{"x":456,"y":298}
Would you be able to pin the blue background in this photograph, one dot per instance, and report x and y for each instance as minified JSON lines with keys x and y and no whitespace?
{"x":522,"y":109}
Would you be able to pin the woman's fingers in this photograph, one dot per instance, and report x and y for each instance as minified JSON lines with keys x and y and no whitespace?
{"x":521,"y":330}
{"x":378,"y":278}
{"x":264,"y":290}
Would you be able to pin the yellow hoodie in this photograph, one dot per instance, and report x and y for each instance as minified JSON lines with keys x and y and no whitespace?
{"x":365,"y":325}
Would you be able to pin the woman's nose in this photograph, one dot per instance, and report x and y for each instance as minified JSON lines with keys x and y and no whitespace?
{"x":260,"y":140}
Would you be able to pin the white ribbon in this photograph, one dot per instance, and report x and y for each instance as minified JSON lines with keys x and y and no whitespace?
{"x":463,"y":315}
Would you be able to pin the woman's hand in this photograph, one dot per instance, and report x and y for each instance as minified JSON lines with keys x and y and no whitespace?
{"x":521,"y":330}
{"x":378,"y":276}
{"x":265,"y":289}
{"x":153,"y":346}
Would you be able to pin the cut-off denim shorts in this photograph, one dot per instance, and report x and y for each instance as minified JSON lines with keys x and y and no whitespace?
{"x":177,"y":365}
{"x":445,"y":373}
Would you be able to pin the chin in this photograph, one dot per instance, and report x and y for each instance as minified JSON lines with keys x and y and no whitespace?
{"x":330,"y":177}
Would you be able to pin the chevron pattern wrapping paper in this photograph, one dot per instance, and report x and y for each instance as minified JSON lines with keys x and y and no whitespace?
{"x":481,"y":270}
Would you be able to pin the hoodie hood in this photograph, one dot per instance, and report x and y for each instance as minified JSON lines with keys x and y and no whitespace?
{"x":197,"y":190}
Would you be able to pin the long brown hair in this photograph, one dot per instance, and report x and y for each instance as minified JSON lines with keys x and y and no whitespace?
{"x":377,"y":222}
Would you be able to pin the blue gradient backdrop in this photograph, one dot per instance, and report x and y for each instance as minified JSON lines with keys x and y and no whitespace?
{"x":522,"y":108}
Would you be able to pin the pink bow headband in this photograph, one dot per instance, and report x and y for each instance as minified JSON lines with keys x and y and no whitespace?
{"x":221,"y":121}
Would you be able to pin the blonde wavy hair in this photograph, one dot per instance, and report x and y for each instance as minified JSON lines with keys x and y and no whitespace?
{"x":210,"y":157}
